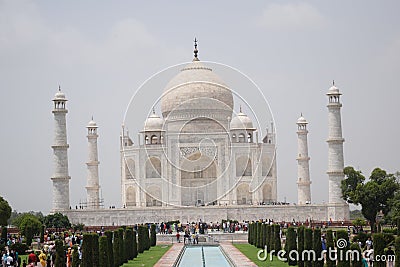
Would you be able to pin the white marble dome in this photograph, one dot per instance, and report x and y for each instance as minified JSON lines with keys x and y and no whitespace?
{"x":153,"y":123}
{"x":194,"y":89}
{"x":92,"y":124}
{"x":59,"y":96}
{"x":302,"y":120}
{"x":241,"y":121}
{"x":333,"y":90}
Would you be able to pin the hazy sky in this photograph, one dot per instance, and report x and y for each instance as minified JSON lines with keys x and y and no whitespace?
{"x":101,"y":51}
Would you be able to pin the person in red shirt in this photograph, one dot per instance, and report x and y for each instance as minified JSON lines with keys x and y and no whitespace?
{"x":31,"y":258}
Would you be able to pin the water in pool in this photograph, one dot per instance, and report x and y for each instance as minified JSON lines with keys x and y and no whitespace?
{"x":213,"y":257}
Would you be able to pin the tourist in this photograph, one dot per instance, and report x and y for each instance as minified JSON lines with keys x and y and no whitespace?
{"x":390,"y":257}
{"x":178,"y":237}
{"x":368,"y":243}
{"x":69,"y":257}
{"x":31,"y":258}
{"x":43,"y":258}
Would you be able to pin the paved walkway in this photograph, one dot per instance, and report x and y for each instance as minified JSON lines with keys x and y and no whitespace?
{"x":169,"y":258}
{"x":238,"y":258}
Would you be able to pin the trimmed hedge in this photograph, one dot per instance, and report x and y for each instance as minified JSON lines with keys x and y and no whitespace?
{"x":75,"y":256}
{"x":95,"y":249}
{"x":300,"y":245}
{"x":277,"y":239}
{"x":342,"y":260}
{"x":153,"y":236}
{"x":87,"y":251}
{"x":308,"y":246}
{"x":397,"y":250}
{"x":135,"y":246}
{"x":330,"y":246}
{"x":60,"y":255}
{"x":356,"y":261}
{"x":317,"y":247}
{"x":103,"y":252}
{"x":379,"y":248}
{"x":116,"y":250}
{"x":109,"y":235}
{"x":291,"y":245}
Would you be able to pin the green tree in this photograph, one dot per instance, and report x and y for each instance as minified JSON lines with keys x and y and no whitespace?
{"x":116,"y":251}
{"x":397,"y":251}
{"x":342,"y":248}
{"x":308,"y":246}
{"x":60,"y":255}
{"x":379,"y":249}
{"x":5,"y":211}
{"x":290,"y":245}
{"x":121,"y":246}
{"x":258,"y":238}
{"x":109,"y":235}
{"x":56,"y":220}
{"x":129,"y":243}
{"x":330,"y":246}
{"x":87,"y":251}
{"x":373,"y":196}
{"x":135,"y":247}
{"x":30,"y":226}
{"x":300,"y":245}
{"x":277,"y":238}
{"x":95,"y":249}
{"x":103,"y":252}
{"x":4,"y":234}
{"x":268,"y":237}
{"x":75,"y":256}
{"x":317,"y":247}
{"x":153,"y":236}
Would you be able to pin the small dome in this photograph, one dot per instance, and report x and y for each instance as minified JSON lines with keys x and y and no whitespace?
{"x":92,"y":124}
{"x":333,"y":91}
{"x":241,"y":121}
{"x":302,"y":120}
{"x":153,"y":123}
{"x":59,"y":96}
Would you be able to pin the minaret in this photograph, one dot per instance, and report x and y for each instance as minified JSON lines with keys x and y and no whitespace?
{"x":335,"y":146}
{"x":60,"y":147}
{"x":92,"y":187}
{"x":303,"y":169}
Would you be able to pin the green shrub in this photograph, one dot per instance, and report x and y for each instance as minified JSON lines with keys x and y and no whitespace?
{"x":290,"y":245}
{"x":379,"y":248}
{"x":109,"y":235}
{"x":392,"y":231}
{"x":249,"y":232}
{"x":135,"y":246}
{"x":361,"y":237}
{"x":129,"y":243}
{"x":389,"y":239}
{"x":317,"y":247}
{"x":60,"y":254}
{"x":75,"y":256}
{"x":153,"y":236}
{"x":121,"y":246}
{"x":116,"y":251}
{"x":3,"y":234}
{"x":277,"y":238}
{"x":300,"y":245}
{"x":258,"y":238}
{"x":356,"y":261}
{"x":263,"y":235}
{"x":21,"y":248}
{"x":42,"y":234}
{"x":397,"y":249}
{"x":103,"y":252}
{"x":342,"y":261}
{"x":330,"y":246}
{"x":87,"y":250}
{"x":269,"y":238}
{"x":95,"y":249}
{"x":308,"y":238}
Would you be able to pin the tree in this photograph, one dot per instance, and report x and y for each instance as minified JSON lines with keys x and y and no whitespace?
{"x":121,"y":246}
{"x":308,"y":246}
{"x":3,"y":234}
{"x":277,"y":238}
{"x":290,"y":245}
{"x":342,"y":244}
{"x":5,"y":211}
{"x":87,"y":251}
{"x":317,"y":247}
{"x":330,"y":246}
{"x":60,"y":255}
{"x":397,"y":251}
{"x":135,"y":247}
{"x":56,"y":220}
{"x":75,"y":256}
{"x":373,"y":196}
{"x":95,"y":249}
{"x":300,"y":245}
{"x":116,"y":251}
{"x":153,"y":236}
{"x":109,"y":235}
{"x":129,"y":243}
{"x":103,"y":252}
{"x":379,"y":249}
{"x":30,"y":226}
{"x":268,"y":237}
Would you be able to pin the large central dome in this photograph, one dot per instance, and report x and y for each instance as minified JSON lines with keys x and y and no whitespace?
{"x":196,"y":91}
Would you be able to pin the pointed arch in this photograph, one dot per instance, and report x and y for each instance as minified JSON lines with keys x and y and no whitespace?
{"x":243,"y":195}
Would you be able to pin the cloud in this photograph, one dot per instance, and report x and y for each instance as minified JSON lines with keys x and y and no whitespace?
{"x":299,"y":16}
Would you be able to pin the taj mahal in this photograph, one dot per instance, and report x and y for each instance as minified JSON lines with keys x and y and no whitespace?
{"x":200,"y":159}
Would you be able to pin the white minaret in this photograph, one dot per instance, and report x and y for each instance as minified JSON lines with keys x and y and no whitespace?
{"x":303,"y":169}
{"x":335,"y":146}
{"x":60,"y":146}
{"x":92,"y":187}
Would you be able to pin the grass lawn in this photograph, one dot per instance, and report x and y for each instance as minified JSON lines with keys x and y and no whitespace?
{"x":251,"y":252}
{"x":148,"y":258}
